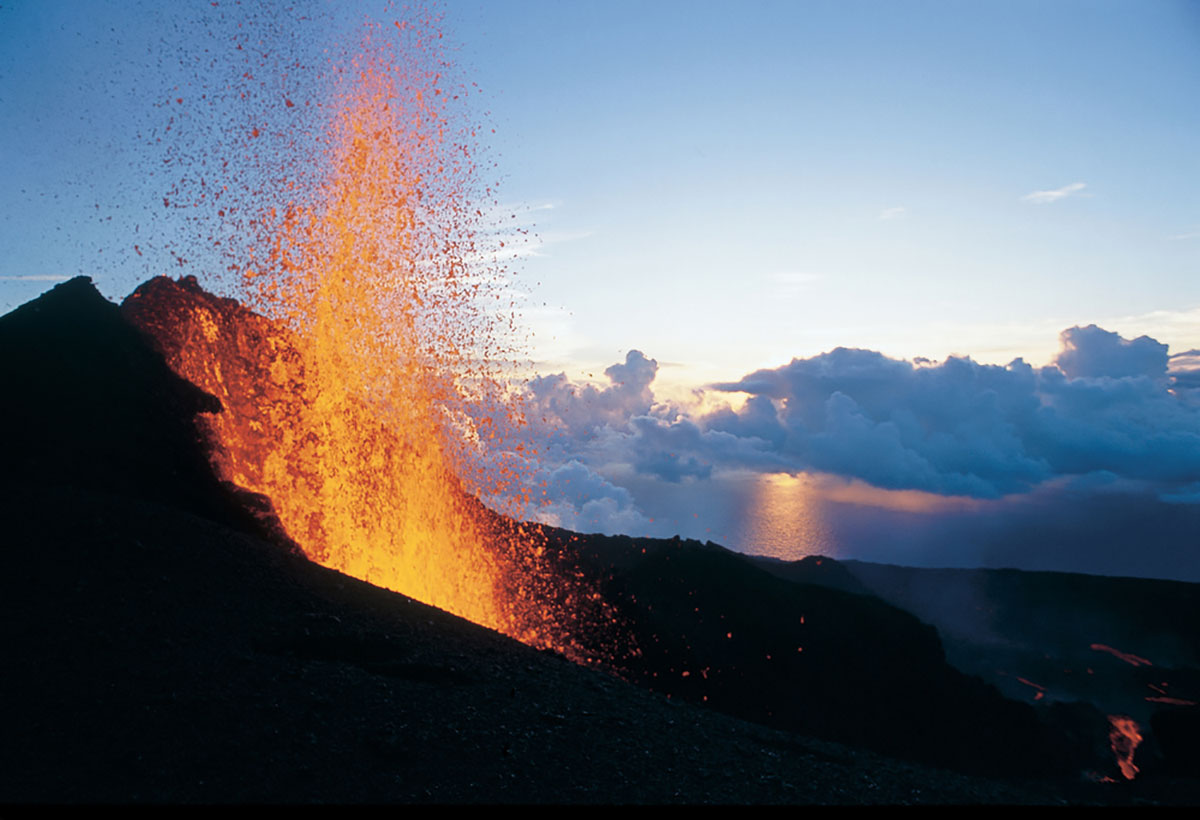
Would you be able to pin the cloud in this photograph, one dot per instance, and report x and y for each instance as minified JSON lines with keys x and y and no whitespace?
{"x":858,"y":413}
{"x":962,"y":428}
{"x":576,"y":497}
{"x":893,"y":213}
{"x":583,"y":411}
{"x":678,"y":449}
{"x":1189,"y":494}
{"x":1108,"y":415}
{"x":1090,"y":463}
{"x":1048,"y":197}
{"x":1184,"y":369}
{"x":1091,"y":352}
{"x":1106,"y":404}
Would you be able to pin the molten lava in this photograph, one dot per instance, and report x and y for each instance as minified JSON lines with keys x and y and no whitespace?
{"x":1125,"y":736}
{"x":1040,"y":690}
{"x":1128,"y":657}
{"x":362,"y":393}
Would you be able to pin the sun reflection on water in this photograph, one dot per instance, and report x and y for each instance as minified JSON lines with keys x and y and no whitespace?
{"x":785,"y":519}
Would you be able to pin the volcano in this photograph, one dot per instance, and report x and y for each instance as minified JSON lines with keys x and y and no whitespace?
{"x":168,"y":641}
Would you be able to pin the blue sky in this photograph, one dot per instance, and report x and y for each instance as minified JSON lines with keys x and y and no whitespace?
{"x":737,"y":185}
{"x":725,"y":187}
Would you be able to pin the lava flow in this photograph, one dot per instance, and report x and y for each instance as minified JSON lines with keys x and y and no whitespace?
{"x":361,"y":392}
{"x":1125,"y":736}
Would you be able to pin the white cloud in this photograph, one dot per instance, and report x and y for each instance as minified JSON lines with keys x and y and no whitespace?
{"x":1048,"y":197}
{"x":1186,"y":235}
{"x":893,"y":213}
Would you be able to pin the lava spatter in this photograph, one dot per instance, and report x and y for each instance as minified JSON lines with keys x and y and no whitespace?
{"x":362,"y":372}
{"x":1125,"y":736}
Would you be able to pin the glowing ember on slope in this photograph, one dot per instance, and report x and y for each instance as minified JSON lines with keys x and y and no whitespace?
{"x":1041,"y":690}
{"x":1129,"y":658}
{"x":363,"y":395}
{"x":1172,"y":701}
{"x":1125,"y":736}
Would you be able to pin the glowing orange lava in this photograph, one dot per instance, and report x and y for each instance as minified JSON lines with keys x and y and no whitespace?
{"x":1040,"y":690}
{"x":362,"y":392}
{"x":1128,"y":657}
{"x":1125,"y":736}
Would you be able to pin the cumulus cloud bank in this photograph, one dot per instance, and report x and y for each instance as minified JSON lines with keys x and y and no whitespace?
{"x":1105,"y":405}
{"x":1107,"y":409}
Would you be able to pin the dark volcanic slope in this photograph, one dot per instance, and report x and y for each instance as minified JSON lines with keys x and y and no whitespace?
{"x":1124,"y":646}
{"x":88,"y":403}
{"x":711,"y":627}
{"x":158,"y":647}
{"x":715,"y":628}
{"x":156,"y":656}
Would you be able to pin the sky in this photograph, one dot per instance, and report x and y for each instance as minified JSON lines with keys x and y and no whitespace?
{"x":719,"y":196}
{"x":726,"y":187}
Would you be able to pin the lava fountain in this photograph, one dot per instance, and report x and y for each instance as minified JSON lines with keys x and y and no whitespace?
{"x":362,"y":393}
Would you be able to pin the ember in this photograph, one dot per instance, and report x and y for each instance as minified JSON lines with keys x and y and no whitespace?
{"x":1041,"y":690}
{"x":1129,"y":658}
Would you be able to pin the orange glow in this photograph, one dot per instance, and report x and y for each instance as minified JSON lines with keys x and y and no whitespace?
{"x":1125,"y":736}
{"x":853,"y":491}
{"x":363,"y":393}
{"x":1170,"y":700}
{"x":1129,"y":658}
{"x":1041,"y":690}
